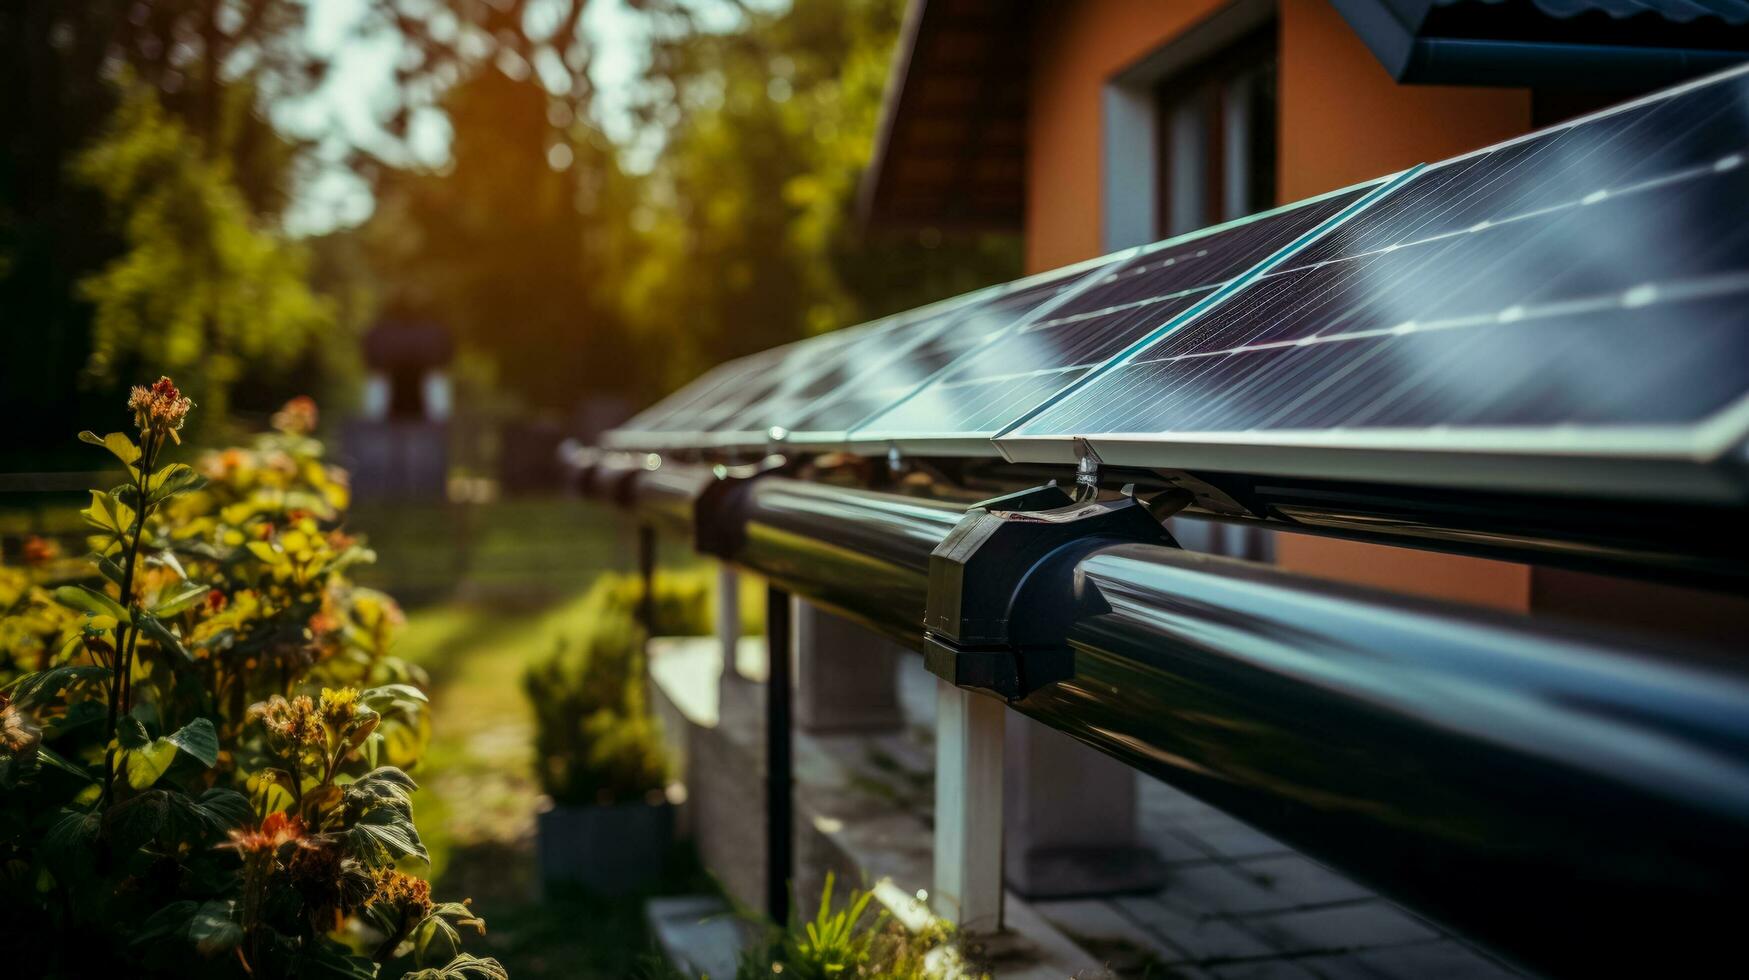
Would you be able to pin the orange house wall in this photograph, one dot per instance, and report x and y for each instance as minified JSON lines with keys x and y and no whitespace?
{"x":1076,"y":47}
{"x":1342,"y":119}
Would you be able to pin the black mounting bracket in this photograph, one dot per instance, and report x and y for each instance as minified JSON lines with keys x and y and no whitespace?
{"x":998,"y":617}
{"x":717,"y":529}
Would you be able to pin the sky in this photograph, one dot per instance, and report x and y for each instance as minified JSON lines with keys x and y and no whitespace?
{"x":342,"y":113}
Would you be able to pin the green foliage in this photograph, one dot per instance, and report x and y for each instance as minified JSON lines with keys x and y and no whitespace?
{"x":837,"y":942}
{"x":841,"y":943}
{"x":596,"y":740}
{"x":565,"y":260}
{"x":204,"y":736}
{"x":201,"y":287}
{"x":770,"y":128}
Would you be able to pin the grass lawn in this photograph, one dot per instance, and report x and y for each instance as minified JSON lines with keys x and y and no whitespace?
{"x":478,"y":791}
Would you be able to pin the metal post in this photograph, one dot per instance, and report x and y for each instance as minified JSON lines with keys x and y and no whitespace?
{"x":647,"y":571}
{"x":729,"y":616}
{"x":779,"y":864}
{"x":968,"y":809}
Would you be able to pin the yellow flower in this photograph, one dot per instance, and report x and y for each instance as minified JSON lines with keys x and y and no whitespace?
{"x":339,"y":707}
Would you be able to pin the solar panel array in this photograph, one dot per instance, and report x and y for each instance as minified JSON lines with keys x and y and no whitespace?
{"x":1061,"y":343}
{"x":1579,"y":292}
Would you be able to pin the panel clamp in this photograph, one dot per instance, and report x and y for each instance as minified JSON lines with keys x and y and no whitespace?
{"x":1002,"y":589}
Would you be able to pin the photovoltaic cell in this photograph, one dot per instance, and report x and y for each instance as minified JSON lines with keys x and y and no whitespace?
{"x":678,"y":421}
{"x":689,"y":397}
{"x":888,"y":371}
{"x":1583,"y":289}
{"x":810,"y":369}
{"x":1000,"y":381}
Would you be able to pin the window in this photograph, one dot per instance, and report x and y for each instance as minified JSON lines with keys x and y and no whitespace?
{"x":1217,"y":131}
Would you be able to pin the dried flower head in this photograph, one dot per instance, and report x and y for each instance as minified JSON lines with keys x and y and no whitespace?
{"x":297,"y":417}
{"x":18,"y":735}
{"x":278,"y":830}
{"x":160,"y":408}
{"x":295,"y":721}
{"x":407,"y":895}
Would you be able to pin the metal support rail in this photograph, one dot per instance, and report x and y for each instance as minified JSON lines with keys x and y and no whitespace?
{"x":1579,"y":802}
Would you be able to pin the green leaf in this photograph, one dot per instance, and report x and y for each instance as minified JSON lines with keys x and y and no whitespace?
{"x":169,"y":920}
{"x":108,"y":512}
{"x":68,"y":849}
{"x":435,"y":939}
{"x":117,"y":443}
{"x":45,"y":684}
{"x":168,"y":559}
{"x":154,"y":628}
{"x":110,"y":568}
{"x":198,"y":739}
{"x":227,"y":807}
{"x":55,"y":759}
{"x":172,"y":480}
{"x":134,"y":823}
{"x":464,"y":967}
{"x":213,"y":929}
{"x":384,"y":835}
{"x":130,"y":733}
{"x":148,"y":764}
{"x":176,"y":600}
{"x":266,"y":552}
{"x":86,"y":599}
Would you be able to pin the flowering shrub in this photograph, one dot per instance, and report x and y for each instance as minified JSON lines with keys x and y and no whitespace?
{"x":203,"y":735}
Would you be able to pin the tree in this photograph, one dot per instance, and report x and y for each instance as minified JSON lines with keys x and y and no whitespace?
{"x":517,"y":244}
{"x":199,"y":289}
{"x":752,"y":238}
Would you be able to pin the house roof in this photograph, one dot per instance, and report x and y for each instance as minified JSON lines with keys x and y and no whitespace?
{"x":1586,"y":44}
{"x":951,"y":151}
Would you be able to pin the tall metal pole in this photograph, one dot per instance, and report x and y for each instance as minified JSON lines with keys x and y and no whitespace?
{"x":779,"y":830}
{"x":647,"y":572}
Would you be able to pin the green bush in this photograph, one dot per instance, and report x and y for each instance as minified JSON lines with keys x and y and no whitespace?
{"x":596,"y":740}
{"x":205,"y":735}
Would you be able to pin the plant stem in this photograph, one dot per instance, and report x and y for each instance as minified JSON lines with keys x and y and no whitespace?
{"x":125,"y":637}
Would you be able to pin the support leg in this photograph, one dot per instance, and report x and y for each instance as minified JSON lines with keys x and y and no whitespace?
{"x":779,"y":829}
{"x":968,"y":810}
{"x":647,"y":572}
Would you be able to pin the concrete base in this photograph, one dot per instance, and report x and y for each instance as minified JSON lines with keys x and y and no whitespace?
{"x":609,"y":850}
{"x":863,"y":809}
{"x":845,"y":674}
{"x":698,"y":935}
{"x":1071,"y":819}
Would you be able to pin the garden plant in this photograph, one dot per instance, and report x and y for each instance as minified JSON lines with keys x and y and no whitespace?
{"x":596,"y":739}
{"x":204,"y":737}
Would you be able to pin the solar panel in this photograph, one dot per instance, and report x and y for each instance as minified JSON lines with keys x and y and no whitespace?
{"x":793,"y":383}
{"x":1579,"y":292}
{"x":1000,"y":381}
{"x":676,"y":421}
{"x":891,"y":367}
{"x":661,"y":416}
{"x":692,"y":397}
